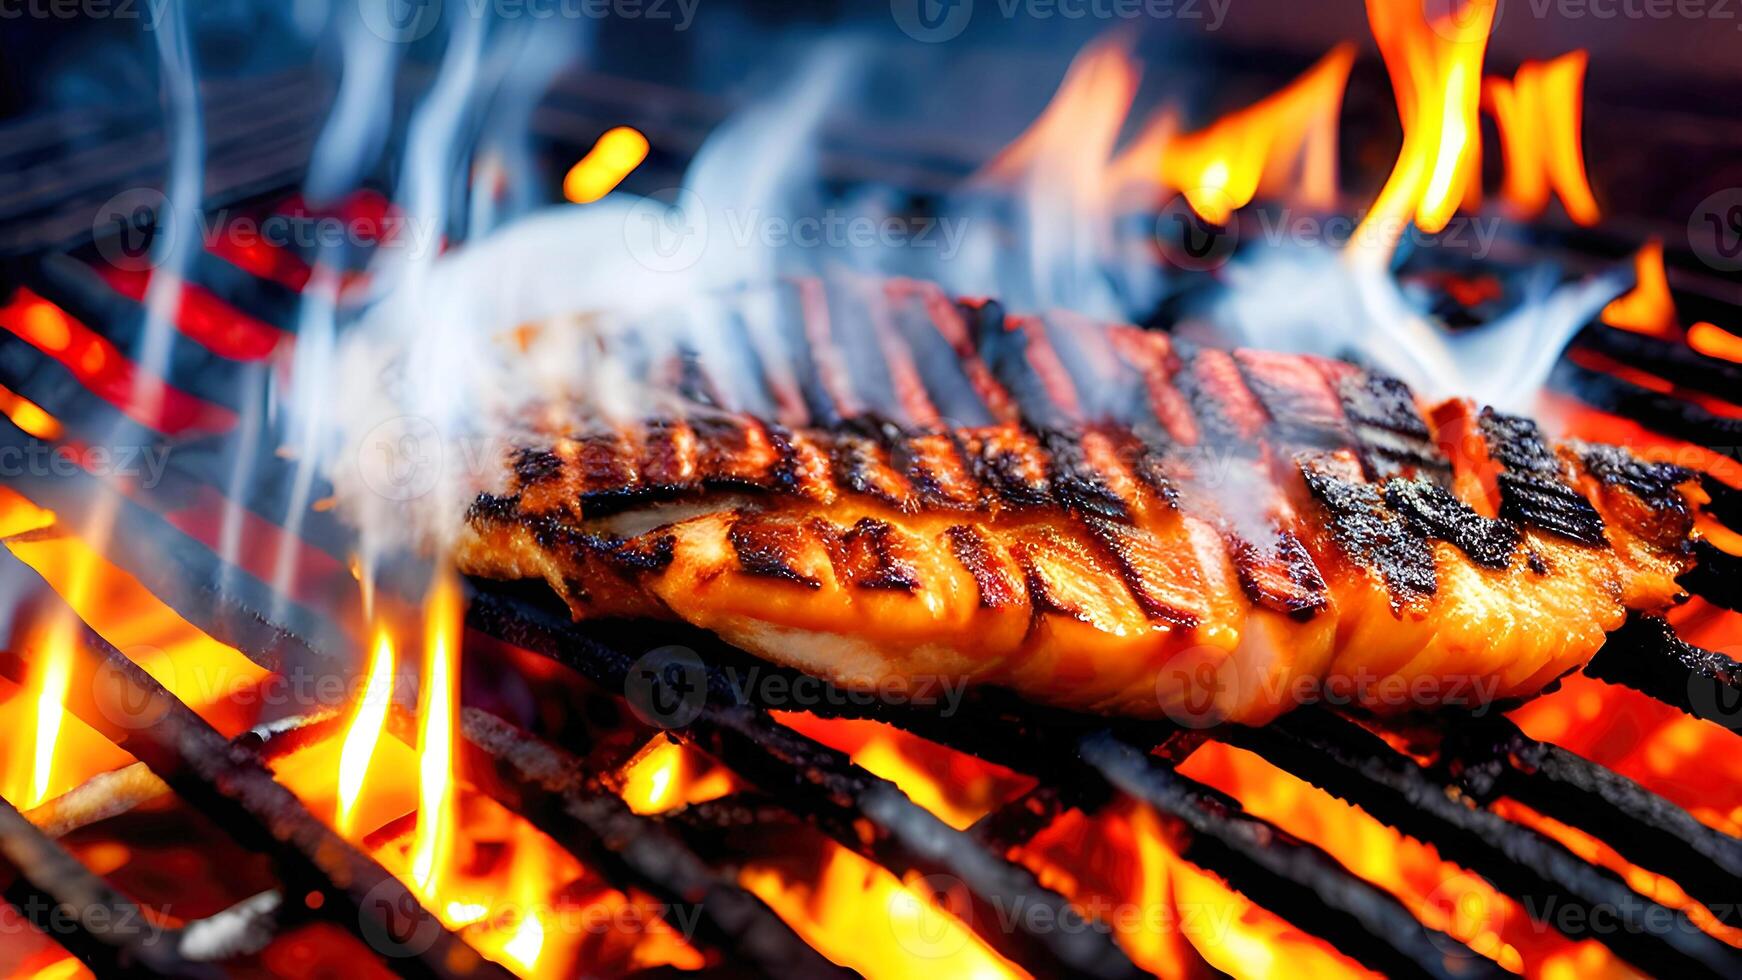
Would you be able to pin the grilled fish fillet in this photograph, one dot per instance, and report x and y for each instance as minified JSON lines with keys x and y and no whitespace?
{"x":1121,"y":525}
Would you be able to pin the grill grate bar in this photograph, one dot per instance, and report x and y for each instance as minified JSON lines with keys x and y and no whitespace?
{"x":839,"y":797}
{"x":1491,"y":757}
{"x":1367,"y":921}
{"x":730,"y":915}
{"x":103,"y":928}
{"x":1646,"y":655}
{"x":1319,"y":893}
{"x":1349,"y":762}
{"x":1666,"y":413}
{"x":238,"y":792}
{"x":551,"y":789}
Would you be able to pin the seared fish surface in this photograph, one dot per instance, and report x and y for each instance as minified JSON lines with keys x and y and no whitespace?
{"x":1101,"y":520}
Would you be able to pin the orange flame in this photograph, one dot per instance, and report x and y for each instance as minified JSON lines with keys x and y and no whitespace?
{"x":1075,"y":134}
{"x":1436,"y":71}
{"x":33,"y":772}
{"x":616,"y":154}
{"x":1284,"y":144}
{"x":1539,"y":114}
{"x":861,"y":916}
{"x":364,"y":733}
{"x":433,"y":846}
{"x":1648,"y":307}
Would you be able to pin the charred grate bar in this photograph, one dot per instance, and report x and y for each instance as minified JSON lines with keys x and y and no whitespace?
{"x":837,"y":795}
{"x":238,"y":792}
{"x":534,"y":778}
{"x":1491,"y":757}
{"x":96,"y":923}
{"x":1359,"y":919}
{"x":1349,"y":762}
{"x":1320,"y":895}
{"x":1646,"y":655}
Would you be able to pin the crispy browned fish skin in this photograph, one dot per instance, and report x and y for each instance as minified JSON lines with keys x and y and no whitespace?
{"x":1335,"y":544}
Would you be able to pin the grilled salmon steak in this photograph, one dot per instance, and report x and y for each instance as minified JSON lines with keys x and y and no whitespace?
{"x":1095,"y":517}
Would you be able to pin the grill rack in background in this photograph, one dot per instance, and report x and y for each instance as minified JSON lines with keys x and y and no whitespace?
{"x":1080,"y":762}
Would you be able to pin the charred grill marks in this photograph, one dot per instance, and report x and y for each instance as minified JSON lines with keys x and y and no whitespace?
{"x":1654,"y":483}
{"x":1278,"y":573}
{"x":767,"y":547}
{"x":868,"y":555}
{"x":968,"y":545}
{"x":1533,"y":486}
{"x":1393,"y":438}
{"x":1371,"y":533}
{"x":1433,"y":512}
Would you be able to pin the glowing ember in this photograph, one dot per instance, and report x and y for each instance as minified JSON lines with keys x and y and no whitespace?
{"x":102,"y":368}
{"x":433,"y":846}
{"x":1436,"y":71}
{"x":1648,"y":308}
{"x":29,"y":416}
{"x":669,"y":775}
{"x":1714,"y":341}
{"x":1538,"y":114}
{"x":618,"y":152}
{"x":365,"y":732}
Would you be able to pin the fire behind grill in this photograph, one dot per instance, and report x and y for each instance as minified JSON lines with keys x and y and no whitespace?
{"x":1443,"y":791}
